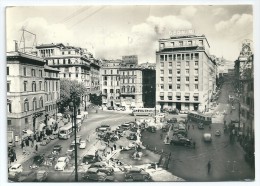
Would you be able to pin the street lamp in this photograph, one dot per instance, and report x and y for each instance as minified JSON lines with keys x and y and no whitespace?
{"x":74,"y":116}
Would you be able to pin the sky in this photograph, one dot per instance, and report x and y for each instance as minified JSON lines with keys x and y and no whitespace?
{"x":113,"y":31}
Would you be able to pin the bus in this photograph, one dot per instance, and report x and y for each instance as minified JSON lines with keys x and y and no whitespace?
{"x":144,"y":111}
{"x":199,"y":117}
{"x":66,"y":131}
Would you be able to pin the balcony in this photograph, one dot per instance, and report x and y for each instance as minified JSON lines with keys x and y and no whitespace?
{"x":181,"y":48}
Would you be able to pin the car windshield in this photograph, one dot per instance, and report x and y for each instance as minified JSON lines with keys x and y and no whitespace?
{"x":61,"y":160}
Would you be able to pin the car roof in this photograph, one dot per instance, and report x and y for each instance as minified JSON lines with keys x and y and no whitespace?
{"x":62,"y":158}
{"x":93,"y":169}
{"x":41,"y":171}
{"x":135,"y":169}
{"x":16,"y":165}
{"x":207,"y":134}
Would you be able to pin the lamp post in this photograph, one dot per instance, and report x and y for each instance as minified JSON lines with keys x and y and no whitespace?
{"x":73,"y":105}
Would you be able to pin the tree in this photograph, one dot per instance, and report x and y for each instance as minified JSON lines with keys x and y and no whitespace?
{"x":95,"y":99}
{"x":71,"y":91}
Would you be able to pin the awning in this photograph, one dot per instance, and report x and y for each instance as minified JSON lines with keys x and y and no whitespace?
{"x":196,"y":95}
{"x":41,"y":126}
{"x":169,"y":93}
{"x":178,"y":94}
{"x":161,"y":94}
{"x":187,"y":94}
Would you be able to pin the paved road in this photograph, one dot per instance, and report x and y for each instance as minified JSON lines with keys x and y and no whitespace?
{"x":191,"y":164}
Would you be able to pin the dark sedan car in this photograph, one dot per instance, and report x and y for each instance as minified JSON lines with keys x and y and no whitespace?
{"x":37,"y":161}
{"x":103,"y":167}
{"x":57,"y":149}
{"x":137,"y":174}
{"x":181,"y":141}
{"x":87,"y":159}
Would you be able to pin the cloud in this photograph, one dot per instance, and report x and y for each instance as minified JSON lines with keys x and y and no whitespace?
{"x":188,"y":11}
{"x":143,"y":38}
{"x":237,"y":21}
{"x":219,"y":11}
{"x":45,"y":32}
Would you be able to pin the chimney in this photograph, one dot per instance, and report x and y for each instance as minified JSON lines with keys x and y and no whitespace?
{"x":15,"y":46}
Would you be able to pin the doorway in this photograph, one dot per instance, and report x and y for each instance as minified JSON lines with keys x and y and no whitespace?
{"x":178,"y":106}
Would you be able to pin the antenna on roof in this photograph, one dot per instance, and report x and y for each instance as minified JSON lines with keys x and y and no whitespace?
{"x":23,"y":41}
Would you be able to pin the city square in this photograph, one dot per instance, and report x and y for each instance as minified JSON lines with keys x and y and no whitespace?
{"x":163,"y":103}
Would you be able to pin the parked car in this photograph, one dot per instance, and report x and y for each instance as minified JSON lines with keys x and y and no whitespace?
{"x":165,"y":128}
{"x":78,"y":139}
{"x":217,"y":133}
{"x":51,"y":158}
{"x":152,"y":129}
{"x":132,"y":136}
{"x":54,"y":136}
{"x":120,"y":108}
{"x":41,"y":175}
{"x":103,"y":167}
{"x":126,"y":126}
{"x":201,"y":126}
{"x":61,"y":163}
{"x":207,"y":137}
{"x":94,"y":174}
{"x":103,"y":128}
{"x":71,"y":151}
{"x":137,"y":174}
{"x":45,"y":140}
{"x":16,"y":168}
{"x":87,"y":159}
{"x":38,"y":160}
{"x":25,"y":176}
{"x":172,"y":121}
{"x":82,"y":144}
{"x":111,"y":108}
{"x":56,"y":149}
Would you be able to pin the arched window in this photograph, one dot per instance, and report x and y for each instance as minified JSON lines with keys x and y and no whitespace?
{"x":123,"y":89}
{"x":33,"y":86}
{"x":128,"y":88}
{"x":133,"y":88}
{"x":26,"y":105}
{"x":34,"y":104}
{"x":9,"y":106}
{"x":64,"y":61}
{"x":69,"y":61}
{"x":45,"y":86}
{"x":41,"y":102}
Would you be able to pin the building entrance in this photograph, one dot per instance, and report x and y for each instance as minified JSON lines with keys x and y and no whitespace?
{"x":196,"y":106}
{"x":178,"y":106}
{"x":112,"y":103}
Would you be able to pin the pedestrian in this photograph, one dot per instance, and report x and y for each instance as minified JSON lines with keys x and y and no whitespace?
{"x":209,"y":126}
{"x":194,"y":144}
{"x":161,"y":136}
{"x":167,"y":139}
{"x":114,"y":146}
{"x":209,"y":166}
{"x":112,"y":149}
{"x":36,"y":148}
{"x":22,"y":144}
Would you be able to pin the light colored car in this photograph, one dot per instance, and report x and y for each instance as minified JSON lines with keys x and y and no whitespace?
{"x":217,"y":133}
{"x":62,"y":163}
{"x":78,"y":139}
{"x":16,"y":168}
{"x":82,"y":144}
{"x":207,"y":137}
{"x":233,"y":107}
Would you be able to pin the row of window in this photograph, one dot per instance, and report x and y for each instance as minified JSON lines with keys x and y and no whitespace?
{"x":178,"y":79}
{"x":111,"y":91}
{"x":105,"y":83}
{"x":112,"y":71}
{"x":174,"y":57}
{"x":116,"y":78}
{"x":178,"y":87}
{"x":183,"y":43}
{"x":64,"y":61}
{"x":178,"y":64}
{"x":178,"y":98}
{"x":178,"y":71}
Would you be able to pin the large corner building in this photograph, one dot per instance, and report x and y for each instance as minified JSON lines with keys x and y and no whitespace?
{"x":185,"y":73}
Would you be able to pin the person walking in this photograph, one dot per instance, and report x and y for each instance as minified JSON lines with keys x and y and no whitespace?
{"x":209,"y":166}
{"x":161,"y":136}
{"x":194,"y":144}
{"x":36,"y":147}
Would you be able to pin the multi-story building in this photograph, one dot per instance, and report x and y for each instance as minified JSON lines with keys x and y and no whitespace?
{"x":185,"y":73}
{"x":74,"y":63}
{"x":244,"y":72}
{"x":27,"y":95}
{"x":110,"y":82}
{"x":131,"y":86}
{"x":52,"y":90}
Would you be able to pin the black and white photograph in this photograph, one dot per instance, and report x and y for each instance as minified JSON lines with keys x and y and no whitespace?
{"x":129,"y":93}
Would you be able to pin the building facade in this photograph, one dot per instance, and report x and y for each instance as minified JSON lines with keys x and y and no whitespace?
{"x":28,"y":85}
{"x":244,"y":72}
{"x":185,"y":73}
{"x":74,"y":63}
{"x":110,"y":82}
